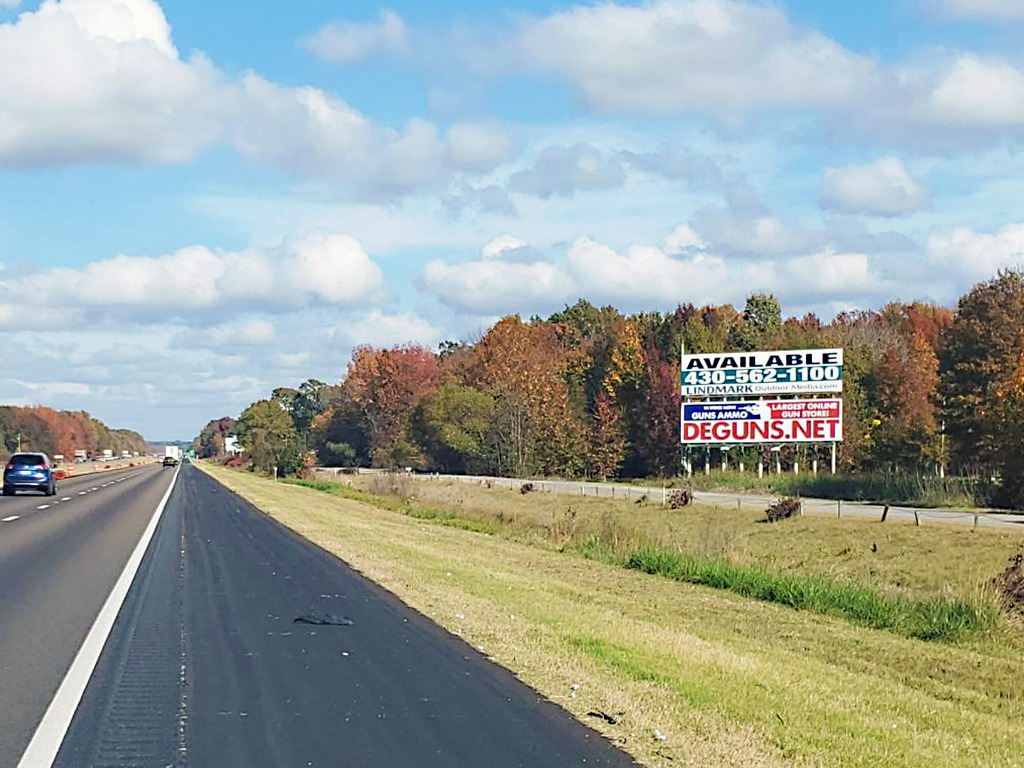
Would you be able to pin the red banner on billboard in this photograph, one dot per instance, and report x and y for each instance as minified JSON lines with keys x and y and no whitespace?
{"x":763,"y":421}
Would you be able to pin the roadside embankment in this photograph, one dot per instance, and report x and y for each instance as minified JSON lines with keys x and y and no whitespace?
{"x":726,"y":680}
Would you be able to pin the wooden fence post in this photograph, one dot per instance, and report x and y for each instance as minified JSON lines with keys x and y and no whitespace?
{"x":885,"y":512}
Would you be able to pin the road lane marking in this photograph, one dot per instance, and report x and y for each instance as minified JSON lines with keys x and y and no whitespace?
{"x":11,"y":519}
{"x":46,"y":741}
{"x":82,"y":493}
{"x":66,"y":498}
{"x":44,"y":506}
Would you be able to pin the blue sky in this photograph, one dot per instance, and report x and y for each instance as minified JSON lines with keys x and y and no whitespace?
{"x":203,"y":201}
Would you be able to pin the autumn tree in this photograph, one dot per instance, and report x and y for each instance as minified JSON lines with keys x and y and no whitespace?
{"x":523,"y":367}
{"x":607,"y":444}
{"x":266,"y":432}
{"x":980,"y":367}
{"x":454,"y":427}
{"x":211,"y":440}
{"x":385,"y":387}
{"x":760,"y":323}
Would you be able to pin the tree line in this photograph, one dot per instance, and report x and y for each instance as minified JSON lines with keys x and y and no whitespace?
{"x":37,"y":428}
{"x":593,"y":392}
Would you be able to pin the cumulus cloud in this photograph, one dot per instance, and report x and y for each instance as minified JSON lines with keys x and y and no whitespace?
{"x":646,"y":276}
{"x":381,"y":329}
{"x":102,"y":81}
{"x":498,"y":281}
{"x":731,"y":58}
{"x":977,"y":255}
{"x":564,"y":171}
{"x":675,"y":163}
{"x":317,"y":269}
{"x":488,"y":199}
{"x":681,"y":269}
{"x":231,"y":335}
{"x":349,"y":42}
{"x":881,"y":188}
{"x":723,"y":56}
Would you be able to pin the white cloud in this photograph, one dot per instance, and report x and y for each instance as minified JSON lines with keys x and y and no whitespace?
{"x":494,"y":285}
{"x":722,"y":56}
{"x":977,"y":256}
{"x":647,"y":277}
{"x":682,"y":239}
{"x":490,"y":199}
{"x":995,"y":10}
{"x":316,"y":269}
{"x":731,"y":58}
{"x":501,"y":245}
{"x":881,"y":188}
{"x":101,"y":81}
{"x":232,"y":335}
{"x":977,"y":92}
{"x":673,"y":162}
{"x":477,"y":147}
{"x":9,"y":3}
{"x":380,"y":329}
{"x":349,"y":42}
{"x":564,"y":171}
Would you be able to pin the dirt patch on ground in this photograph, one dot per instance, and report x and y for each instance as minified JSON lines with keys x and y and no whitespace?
{"x":1009,"y":585}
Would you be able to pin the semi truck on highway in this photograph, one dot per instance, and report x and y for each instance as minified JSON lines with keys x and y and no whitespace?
{"x":172,"y":455}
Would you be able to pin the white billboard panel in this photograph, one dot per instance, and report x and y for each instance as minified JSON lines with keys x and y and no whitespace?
{"x":741,"y":374}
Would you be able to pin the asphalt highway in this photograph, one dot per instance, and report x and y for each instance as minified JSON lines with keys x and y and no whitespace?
{"x":241,"y":644}
{"x":59,"y":558}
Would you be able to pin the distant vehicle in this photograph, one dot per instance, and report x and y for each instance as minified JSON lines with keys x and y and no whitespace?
{"x":173,"y":451}
{"x":81,"y":456}
{"x":126,"y":454}
{"x":108,"y":454}
{"x":29,"y":471}
{"x":170,"y":461}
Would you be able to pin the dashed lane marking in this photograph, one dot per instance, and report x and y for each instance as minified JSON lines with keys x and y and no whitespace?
{"x":11,"y":519}
{"x":66,"y":498}
{"x":43,"y":506}
{"x":42,"y":749}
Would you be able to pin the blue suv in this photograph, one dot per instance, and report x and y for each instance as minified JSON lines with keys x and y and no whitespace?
{"x":30,"y":471}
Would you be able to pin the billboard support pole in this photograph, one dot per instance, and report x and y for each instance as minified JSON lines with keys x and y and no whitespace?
{"x":833,"y":458}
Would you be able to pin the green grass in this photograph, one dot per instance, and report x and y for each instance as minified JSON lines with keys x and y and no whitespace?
{"x":936,"y":619}
{"x":401,"y":505}
{"x":933,"y":619}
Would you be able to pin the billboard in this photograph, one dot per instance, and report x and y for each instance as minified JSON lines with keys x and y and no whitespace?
{"x":763,"y":421}
{"x":741,"y":374}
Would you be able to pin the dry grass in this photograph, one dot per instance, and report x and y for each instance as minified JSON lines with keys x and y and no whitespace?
{"x":925,"y":562}
{"x":730,"y":682}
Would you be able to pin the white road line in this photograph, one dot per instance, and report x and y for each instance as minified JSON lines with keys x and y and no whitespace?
{"x":11,"y":519}
{"x":66,"y":498}
{"x":82,"y":493}
{"x":49,"y":735}
{"x":44,"y":506}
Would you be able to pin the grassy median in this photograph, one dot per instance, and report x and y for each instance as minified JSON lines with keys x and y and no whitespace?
{"x":727,"y":680}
